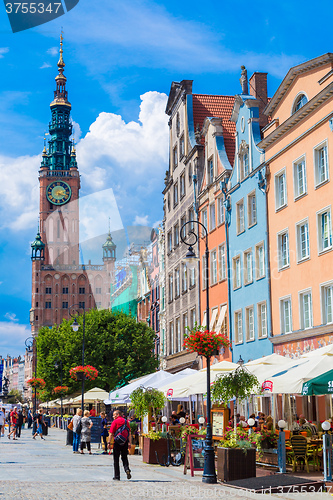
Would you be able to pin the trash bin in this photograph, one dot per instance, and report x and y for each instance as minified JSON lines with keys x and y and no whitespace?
{"x":69,"y":439}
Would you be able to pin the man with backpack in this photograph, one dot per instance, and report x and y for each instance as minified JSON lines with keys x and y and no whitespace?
{"x":121,"y":432}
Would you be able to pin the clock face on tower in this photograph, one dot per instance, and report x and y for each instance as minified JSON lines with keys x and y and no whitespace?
{"x":58,"y":193}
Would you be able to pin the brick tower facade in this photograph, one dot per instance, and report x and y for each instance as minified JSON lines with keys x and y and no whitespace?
{"x":60,"y":284}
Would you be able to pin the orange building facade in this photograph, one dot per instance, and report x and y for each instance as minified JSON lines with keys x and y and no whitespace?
{"x":298,"y":144}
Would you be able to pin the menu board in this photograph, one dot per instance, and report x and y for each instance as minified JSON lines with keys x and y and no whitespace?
{"x":195,"y":453}
{"x":219,"y":421}
{"x":96,"y":429}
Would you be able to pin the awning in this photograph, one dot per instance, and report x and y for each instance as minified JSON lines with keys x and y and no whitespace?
{"x":221,"y":318}
{"x":213,"y":318}
{"x":323,"y":384}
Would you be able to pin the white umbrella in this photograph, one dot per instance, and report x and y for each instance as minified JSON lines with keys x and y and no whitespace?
{"x":95,"y":394}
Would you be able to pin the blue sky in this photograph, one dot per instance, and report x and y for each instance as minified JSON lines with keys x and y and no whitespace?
{"x":121,"y":58}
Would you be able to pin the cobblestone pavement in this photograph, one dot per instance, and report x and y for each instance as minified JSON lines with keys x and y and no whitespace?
{"x":46,"y":470}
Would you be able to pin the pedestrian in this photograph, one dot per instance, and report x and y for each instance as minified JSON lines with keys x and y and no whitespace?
{"x":104,"y":432}
{"x":121,"y":432}
{"x":77,"y":430}
{"x":87,"y":424}
{"x":39,"y":425}
{"x":13,"y":423}
{"x":29,"y":419}
{"x":92,"y":412}
{"x":2,"y":421}
{"x":19,"y":423}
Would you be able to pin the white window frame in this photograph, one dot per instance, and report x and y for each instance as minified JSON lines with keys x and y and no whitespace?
{"x":240,"y":217}
{"x":248,"y":266}
{"x":213,"y":267}
{"x":176,"y":235}
{"x":237,"y":272}
{"x":262,"y":324}
{"x":283,"y":239}
{"x":172,"y":338}
{"x":283,"y":301}
{"x":326,"y":307}
{"x":280,"y":199}
{"x":178,"y":336}
{"x":170,"y":287}
{"x":212,"y":216}
{"x":175,"y":194}
{"x":182,"y":184}
{"x":299,"y":165}
{"x":251,"y":209}
{"x":238,"y":322}
{"x":249,"y":324}
{"x":192,"y":277}
{"x":301,"y":238}
{"x":177,"y":282}
{"x":260,"y":263}
{"x":204,"y":220}
{"x":321,"y":247}
{"x":305,"y":321}
{"x":193,"y":317}
{"x":181,"y":146}
{"x":222,"y":262}
{"x":220,"y":211}
{"x":169,"y":241}
{"x":184,"y":278}
{"x":316,"y":158}
{"x":175,"y":157}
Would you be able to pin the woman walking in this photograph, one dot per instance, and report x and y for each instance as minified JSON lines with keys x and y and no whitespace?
{"x":86,"y":432}
{"x":77,"y":430}
{"x":39,"y":425}
{"x":104,"y":432}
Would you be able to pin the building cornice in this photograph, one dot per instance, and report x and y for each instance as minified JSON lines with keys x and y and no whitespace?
{"x":294,"y":119}
{"x":301,"y":334}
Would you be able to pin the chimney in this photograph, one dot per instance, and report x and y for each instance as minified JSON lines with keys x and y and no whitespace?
{"x":258,"y":88}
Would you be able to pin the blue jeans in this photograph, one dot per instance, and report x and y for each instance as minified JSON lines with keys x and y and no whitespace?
{"x":76,"y":441}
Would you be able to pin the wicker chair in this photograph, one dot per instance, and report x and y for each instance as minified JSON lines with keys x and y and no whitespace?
{"x":299,"y":447}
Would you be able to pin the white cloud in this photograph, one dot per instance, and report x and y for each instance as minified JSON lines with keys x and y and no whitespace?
{"x":11,"y":316}
{"x":76,"y":131}
{"x":129,"y":156}
{"x":3,"y":50}
{"x":45,"y":65}
{"x":19,"y":194}
{"x":12,"y":337}
{"x":141,"y":220}
{"x":53,"y":51}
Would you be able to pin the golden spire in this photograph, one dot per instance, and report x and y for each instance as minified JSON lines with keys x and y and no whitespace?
{"x":61,"y":63}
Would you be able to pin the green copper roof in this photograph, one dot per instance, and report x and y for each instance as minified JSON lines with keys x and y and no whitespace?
{"x":38,"y":242}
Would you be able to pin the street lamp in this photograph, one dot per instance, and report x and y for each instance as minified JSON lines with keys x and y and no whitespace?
{"x":75,"y":327}
{"x":209,"y":473}
{"x":30,"y":344}
{"x":58,"y":364}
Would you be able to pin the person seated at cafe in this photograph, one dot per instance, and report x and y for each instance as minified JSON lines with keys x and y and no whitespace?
{"x":92,"y":412}
{"x":306,"y":426}
{"x":255,"y":421}
{"x":174,"y":420}
{"x":180,"y":411}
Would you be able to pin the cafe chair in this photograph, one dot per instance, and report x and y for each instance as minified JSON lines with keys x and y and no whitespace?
{"x":299,"y":447}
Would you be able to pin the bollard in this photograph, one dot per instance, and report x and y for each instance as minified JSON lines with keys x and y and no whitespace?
{"x":327,"y":452}
{"x":282,"y":447}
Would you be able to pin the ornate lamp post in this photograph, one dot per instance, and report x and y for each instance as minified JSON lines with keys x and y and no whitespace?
{"x":209,"y":473}
{"x":30,"y":344}
{"x":75,"y":327}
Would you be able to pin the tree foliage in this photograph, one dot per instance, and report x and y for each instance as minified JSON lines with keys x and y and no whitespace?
{"x":118,"y":346}
{"x":15,"y":396}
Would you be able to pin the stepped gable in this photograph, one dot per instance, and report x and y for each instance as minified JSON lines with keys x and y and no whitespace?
{"x":219,"y":106}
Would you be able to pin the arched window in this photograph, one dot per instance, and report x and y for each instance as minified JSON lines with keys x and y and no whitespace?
{"x":299,"y":102}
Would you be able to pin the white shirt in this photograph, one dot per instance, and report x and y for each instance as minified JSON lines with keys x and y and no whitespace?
{"x":2,"y":418}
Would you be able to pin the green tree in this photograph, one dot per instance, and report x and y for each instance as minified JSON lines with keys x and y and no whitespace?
{"x":115,"y":344}
{"x":239,"y":384}
{"x":15,"y":396}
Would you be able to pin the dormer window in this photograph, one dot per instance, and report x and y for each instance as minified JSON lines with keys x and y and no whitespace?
{"x":300,"y":101}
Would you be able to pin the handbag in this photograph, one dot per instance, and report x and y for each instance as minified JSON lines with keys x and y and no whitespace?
{"x":79,"y":427}
{"x":70,"y":425}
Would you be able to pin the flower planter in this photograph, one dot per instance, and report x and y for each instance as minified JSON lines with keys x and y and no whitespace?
{"x":150,"y":447}
{"x":80,"y":376}
{"x":131,"y":451}
{"x":234,"y":463}
{"x":268,"y":457}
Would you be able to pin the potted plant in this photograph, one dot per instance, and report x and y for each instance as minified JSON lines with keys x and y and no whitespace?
{"x":147,"y":401}
{"x":86,"y":372}
{"x":60,"y":390}
{"x":204,"y":342}
{"x":134,"y":434}
{"x":236,"y":459}
{"x":36,"y":383}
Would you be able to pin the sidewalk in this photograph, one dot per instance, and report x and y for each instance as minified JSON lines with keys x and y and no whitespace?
{"x":47,"y":470}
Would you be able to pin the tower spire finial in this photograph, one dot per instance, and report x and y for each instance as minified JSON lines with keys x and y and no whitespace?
{"x":61,"y":63}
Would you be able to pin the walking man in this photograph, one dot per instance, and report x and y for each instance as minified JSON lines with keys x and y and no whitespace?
{"x":121,"y":432}
{"x":13,"y":423}
{"x":39,"y":425}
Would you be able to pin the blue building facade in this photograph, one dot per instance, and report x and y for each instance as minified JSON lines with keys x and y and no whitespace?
{"x":249,"y":293}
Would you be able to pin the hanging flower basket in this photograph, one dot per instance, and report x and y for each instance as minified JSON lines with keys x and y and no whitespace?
{"x":205,"y":343}
{"x":36,"y":383}
{"x":60,"y":390}
{"x":83,"y":373}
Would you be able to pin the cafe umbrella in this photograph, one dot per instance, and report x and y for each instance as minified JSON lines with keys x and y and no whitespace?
{"x":323,"y":384}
